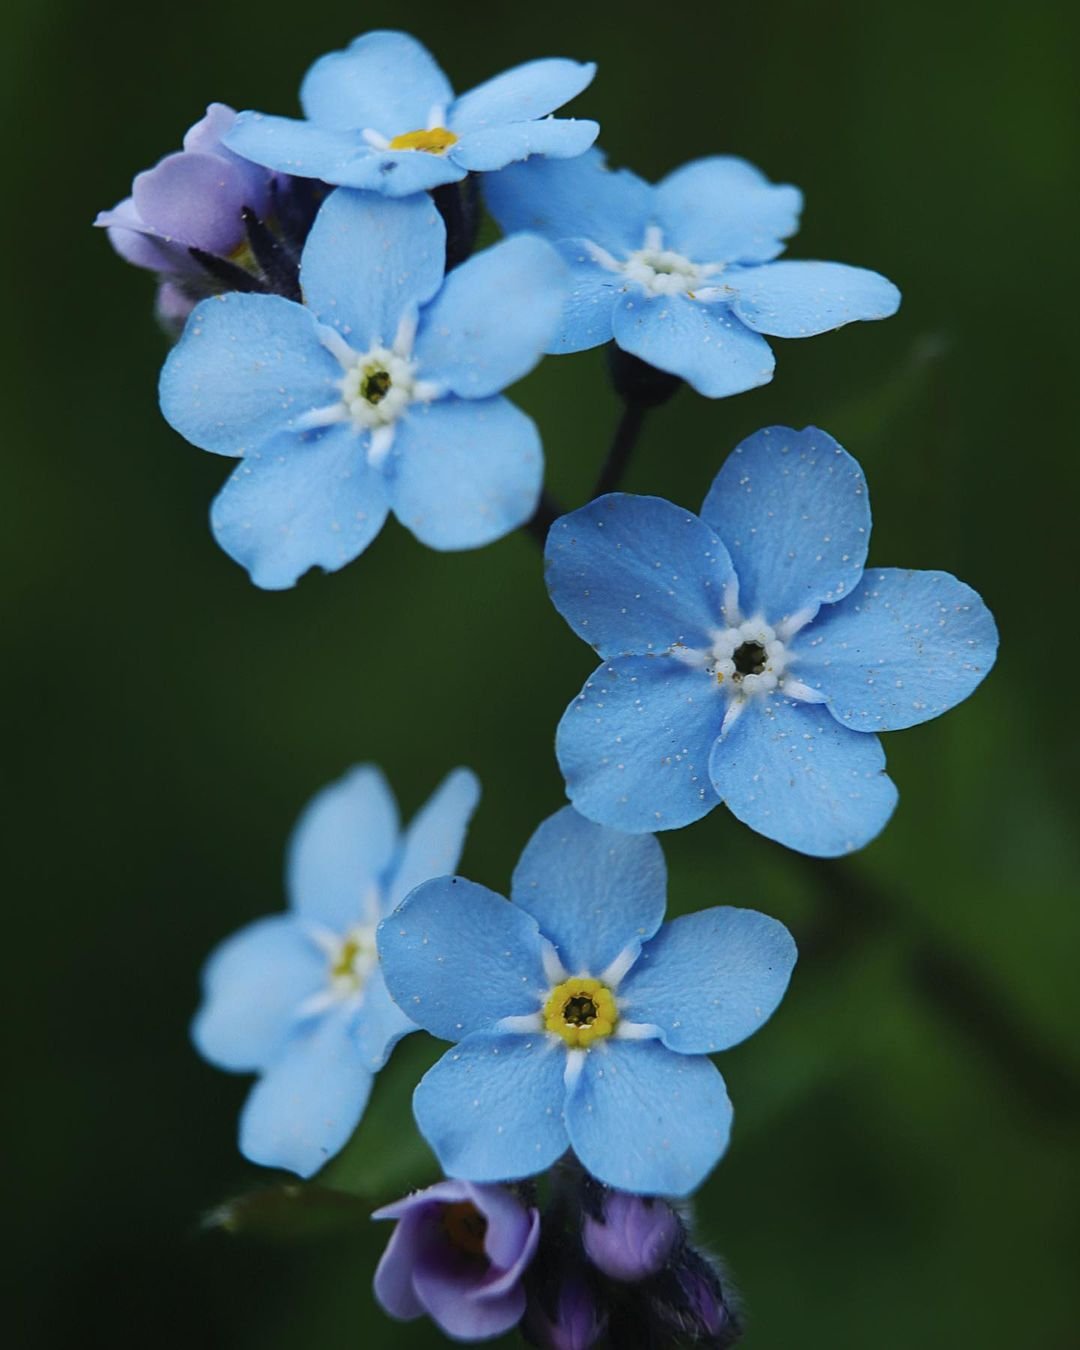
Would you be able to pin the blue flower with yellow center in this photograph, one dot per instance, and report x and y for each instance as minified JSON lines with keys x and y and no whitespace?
{"x":382,"y":116}
{"x":298,"y":998}
{"x":750,"y":656}
{"x":580,"y":1022}
{"x":683,"y":274}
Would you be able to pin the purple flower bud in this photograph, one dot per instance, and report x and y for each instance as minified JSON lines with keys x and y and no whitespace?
{"x":631,"y":1237}
{"x":691,"y":1303}
{"x":458,"y":1253}
{"x":191,"y":199}
{"x":569,"y":1319}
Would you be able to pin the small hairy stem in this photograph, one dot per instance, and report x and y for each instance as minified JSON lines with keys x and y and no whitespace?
{"x":459,"y":206}
{"x":622,"y":448}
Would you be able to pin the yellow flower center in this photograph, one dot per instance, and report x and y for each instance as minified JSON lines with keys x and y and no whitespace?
{"x":580,"y":1010}
{"x":435,"y":141}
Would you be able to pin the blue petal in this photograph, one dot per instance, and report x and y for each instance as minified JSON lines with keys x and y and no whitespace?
{"x":398,"y":173}
{"x":793,"y":509}
{"x":634,"y":745}
{"x":246,"y":367}
{"x":555,"y":137}
{"x":492,"y":1108}
{"x":704,"y":343}
{"x":522,"y":94}
{"x":300,"y":502}
{"x":588,"y":312}
{"x":458,"y":958}
{"x":434,"y":840}
{"x":384,"y":81}
{"x":646,"y":1120}
{"x":494,"y":316}
{"x":637,"y":574}
{"x":368,"y":261}
{"x":722,"y":209}
{"x":791,"y":772}
{"x":303,"y":1110}
{"x":593,"y":891}
{"x":342,"y":845}
{"x":709,"y":980}
{"x":465,"y":473}
{"x":380,"y":1023}
{"x":253,"y":985}
{"x":903,"y":647}
{"x":301,"y":148}
{"x":572,"y":199}
{"x":800,"y":299}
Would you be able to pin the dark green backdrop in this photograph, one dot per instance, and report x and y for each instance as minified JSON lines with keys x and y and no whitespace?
{"x":904,"y":1164}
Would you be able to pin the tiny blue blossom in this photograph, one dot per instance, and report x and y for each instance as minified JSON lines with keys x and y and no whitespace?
{"x":682,"y":274}
{"x":298,"y":998}
{"x":379,"y":393}
{"x":748,"y":656}
{"x":381,"y":115}
{"x":579,"y":1021}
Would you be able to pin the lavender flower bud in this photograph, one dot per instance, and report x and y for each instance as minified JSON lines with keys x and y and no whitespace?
{"x":631,"y":1237}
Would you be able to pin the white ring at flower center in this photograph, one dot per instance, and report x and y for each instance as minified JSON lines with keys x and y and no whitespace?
{"x":720,"y":660}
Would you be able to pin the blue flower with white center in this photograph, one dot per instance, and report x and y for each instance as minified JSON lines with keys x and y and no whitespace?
{"x":580,"y":1022}
{"x":748,"y":658}
{"x":381,"y":115}
{"x":298,"y":998}
{"x":379,"y":393}
{"x":682,"y":275}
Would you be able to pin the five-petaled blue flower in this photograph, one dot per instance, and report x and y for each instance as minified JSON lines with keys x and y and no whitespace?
{"x":298,"y":998}
{"x":578,"y":1022}
{"x":379,"y":393}
{"x":382,"y":116}
{"x":747,"y":656}
{"x":682,"y":274}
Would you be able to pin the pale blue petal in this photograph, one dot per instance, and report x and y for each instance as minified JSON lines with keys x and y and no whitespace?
{"x":709,"y":980}
{"x":555,"y":138}
{"x":704,"y":343}
{"x":458,"y":958}
{"x":340,"y":849}
{"x":396,"y":173}
{"x":434,"y":840}
{"x":801,"y":299}
{"x":722,"y":209}
{"x":494,"y":316}
{"x":302,"y":149}
{"x":253,"y":985}
{"x":903,"y":647}
{"x":380,"y":1023}
{"x":305,"y":1107}
{"x":300,"y":502}
{"x":646,"y":1120}
{"x":793,"y":509}
{"x":588,"y":312}
{"x":384,"y":81}
{"x":465,"y":472}
{"x":634,"y":745}
{"x":368,"y":260}
{"x":492,"y":1108}
{"x":246,"y":367}
{"x":634,"y":574}
{"x":791,"y":772}
{"x":572,"y":199}
{"x":522,"y":94}
{"x":593,"y":891}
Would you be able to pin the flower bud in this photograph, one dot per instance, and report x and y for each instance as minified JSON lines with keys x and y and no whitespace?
{"x":568,"y":1318}
{"x":631,"y":1237}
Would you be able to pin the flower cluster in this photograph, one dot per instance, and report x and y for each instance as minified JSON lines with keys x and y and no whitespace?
{"x":338,"y":336}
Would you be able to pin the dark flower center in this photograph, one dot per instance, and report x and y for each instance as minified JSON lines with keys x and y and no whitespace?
{"x":465,"y":1226}
{"x":749,"y":659}
{"x":375,"y":386}
{"x":579,"y":1011}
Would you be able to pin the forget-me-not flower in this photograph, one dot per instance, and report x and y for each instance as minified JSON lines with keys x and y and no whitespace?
{"x":580,"y":1021}
{"x":298,"y":998}
{"x":748,"y":657}
{"x":381,"y":115}
{"x":380,"y":392}
{"x":681,"y":274}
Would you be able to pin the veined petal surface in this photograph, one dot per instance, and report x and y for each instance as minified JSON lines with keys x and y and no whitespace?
{"x":801,"y":299}
{"x":521,"y":94}
{"x":723,"y":209}
{"x":384,"y":81}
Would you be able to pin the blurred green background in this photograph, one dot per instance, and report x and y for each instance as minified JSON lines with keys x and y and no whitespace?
{"x":904,"y":1168}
